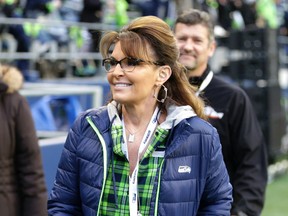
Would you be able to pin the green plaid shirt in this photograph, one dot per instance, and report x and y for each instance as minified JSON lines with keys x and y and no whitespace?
{"x":117,"y":202}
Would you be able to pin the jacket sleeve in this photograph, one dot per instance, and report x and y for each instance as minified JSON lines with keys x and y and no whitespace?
{"x":28,"y":163}
{"x":64,"y":198}
{"x":249,"y":158}
{"x":217,"y":195}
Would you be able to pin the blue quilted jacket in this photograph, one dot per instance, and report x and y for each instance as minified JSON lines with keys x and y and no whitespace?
{"x":202,"y":189}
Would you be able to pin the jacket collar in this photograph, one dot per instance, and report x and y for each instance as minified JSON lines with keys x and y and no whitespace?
{"x":175,"y":115}
{"x":197,"y":81}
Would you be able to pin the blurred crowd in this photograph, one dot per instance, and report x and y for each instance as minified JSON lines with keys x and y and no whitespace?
{"x":33,"y":37}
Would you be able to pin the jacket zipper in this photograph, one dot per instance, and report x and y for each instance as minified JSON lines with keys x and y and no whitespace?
{"x":88,"y":118}
{"x":158,"y":188}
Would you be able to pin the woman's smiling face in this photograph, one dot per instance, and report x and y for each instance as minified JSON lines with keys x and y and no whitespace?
{"x":135,"y":87}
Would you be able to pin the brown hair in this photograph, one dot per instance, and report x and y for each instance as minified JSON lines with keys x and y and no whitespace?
{"x":137,"y":39}
{"x":195,"y":17}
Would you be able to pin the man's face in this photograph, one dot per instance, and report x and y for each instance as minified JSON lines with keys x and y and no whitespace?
{"x":195,"y":47}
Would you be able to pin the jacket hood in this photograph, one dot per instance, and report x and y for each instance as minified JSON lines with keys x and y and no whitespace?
{"x":11,"y":79}
{"x":175,"y":115}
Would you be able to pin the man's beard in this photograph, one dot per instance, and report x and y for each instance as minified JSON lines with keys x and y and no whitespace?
{"x":191,"y":67}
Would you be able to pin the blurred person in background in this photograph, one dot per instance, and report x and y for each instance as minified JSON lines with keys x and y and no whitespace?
{"x":164,"y":9}
{"x":12,"y":9}
{"x":92,"y":13}
{"x":22,"y":184}
{"x":236,"y":14}
{"x":229,"y":110}
{"x":37,"y":8}
{"x":241,"y":14}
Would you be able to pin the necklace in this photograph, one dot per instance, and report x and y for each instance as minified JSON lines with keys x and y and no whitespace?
{"x":131,"y":136}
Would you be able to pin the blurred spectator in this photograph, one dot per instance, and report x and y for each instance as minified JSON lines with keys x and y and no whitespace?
{"x":240,"y":14}
{"x":282,"y":11}
{"x":159,"y":8}
{"x":70,"y":10}
{"x":92,"y":13}
{"x":10,"y":9}
{"x":115,"y":12}
{"x":22,"y":183}
{"x":267,"y":13}
{"x":236,"y":14}
{"x":44,"y":9}
{"x":36,"y":8}
{"x":282,"y":7}
{"x":148,"y":7}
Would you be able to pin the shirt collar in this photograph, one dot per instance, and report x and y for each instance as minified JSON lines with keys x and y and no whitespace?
{"x":197,"y":80}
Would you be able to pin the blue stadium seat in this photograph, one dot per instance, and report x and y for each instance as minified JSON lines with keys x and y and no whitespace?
{"x":55,"y":113}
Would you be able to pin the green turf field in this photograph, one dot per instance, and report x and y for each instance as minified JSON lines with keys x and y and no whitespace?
{"x":276,"y":203}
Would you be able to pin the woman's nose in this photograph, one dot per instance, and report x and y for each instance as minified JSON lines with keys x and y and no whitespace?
{"x":118,"y":69}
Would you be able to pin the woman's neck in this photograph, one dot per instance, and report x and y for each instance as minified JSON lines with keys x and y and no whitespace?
{"x":136,"y":116}
{"x":136,"y":121}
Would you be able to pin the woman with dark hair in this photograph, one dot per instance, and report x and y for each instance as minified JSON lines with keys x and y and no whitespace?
{"x":148,"y":152}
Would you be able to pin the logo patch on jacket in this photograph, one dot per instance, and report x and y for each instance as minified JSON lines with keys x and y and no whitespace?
{"x":184,"y":169}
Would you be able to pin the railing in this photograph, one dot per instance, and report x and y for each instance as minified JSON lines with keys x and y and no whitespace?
{"x":54,"y":52}
{"x":72,"y":52}
{"x":58,"y":23}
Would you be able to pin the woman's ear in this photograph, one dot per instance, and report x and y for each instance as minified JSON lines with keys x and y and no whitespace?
{"x":164,"y":74}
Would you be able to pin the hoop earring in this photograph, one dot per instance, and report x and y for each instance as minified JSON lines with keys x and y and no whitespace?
{"x":165,"y":96}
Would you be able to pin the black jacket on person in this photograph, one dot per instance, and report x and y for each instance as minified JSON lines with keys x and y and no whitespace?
{"x":92,"y":11}
{"x":242,"y":140}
